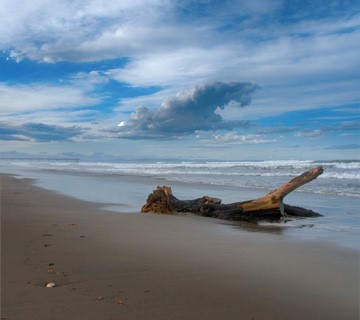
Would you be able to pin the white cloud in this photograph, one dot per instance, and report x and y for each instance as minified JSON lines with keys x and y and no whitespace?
{"x":69,"y":117}
{"x":324,"y":26}
{"x":234,"y":138}
{"x":33,"y":97}
{"x":49,"y":30}
{"x":87,"y":81}
{"x":289,"y":58}
{"x":179,"y":68}
{"x":164,"y":50}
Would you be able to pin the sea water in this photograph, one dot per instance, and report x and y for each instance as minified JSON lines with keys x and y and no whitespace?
{"x":124,"y":186}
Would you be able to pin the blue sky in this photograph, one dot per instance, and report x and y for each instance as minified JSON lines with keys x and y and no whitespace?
{"x":143,"y":79}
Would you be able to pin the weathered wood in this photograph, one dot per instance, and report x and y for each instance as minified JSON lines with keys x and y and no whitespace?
{"x":274,"y":199}
{"x":269,"y":207}
{"x":297,"y":182}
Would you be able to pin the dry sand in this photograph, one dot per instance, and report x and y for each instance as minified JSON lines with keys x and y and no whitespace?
{"x":142,"y":266}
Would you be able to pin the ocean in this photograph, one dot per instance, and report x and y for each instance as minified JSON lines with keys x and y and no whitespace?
{"x":124,"y":186}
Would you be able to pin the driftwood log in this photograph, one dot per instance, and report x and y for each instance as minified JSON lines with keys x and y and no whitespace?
{"x":269,"y":207}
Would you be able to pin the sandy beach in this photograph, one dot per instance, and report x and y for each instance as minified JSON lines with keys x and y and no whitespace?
{"x":109,"y":265}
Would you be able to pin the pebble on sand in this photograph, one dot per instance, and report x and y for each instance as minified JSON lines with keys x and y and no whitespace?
{"x":51,"y":285}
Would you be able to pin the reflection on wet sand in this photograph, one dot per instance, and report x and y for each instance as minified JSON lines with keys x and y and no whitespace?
{"x":274,"y":227}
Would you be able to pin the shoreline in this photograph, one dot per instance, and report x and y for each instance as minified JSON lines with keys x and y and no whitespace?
{"x":339,"y":225}
{"x":110,"y":265}
{"x":144,"y":178}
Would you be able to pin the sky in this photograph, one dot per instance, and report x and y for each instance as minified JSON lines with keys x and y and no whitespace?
{"x":182,"y":80}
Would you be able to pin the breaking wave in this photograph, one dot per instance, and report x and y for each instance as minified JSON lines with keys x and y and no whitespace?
{"x":339,"y":177}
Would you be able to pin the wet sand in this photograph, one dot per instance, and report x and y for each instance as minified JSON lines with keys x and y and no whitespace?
{"x":108,"y":265}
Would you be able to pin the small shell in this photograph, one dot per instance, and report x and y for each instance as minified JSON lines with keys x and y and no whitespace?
{"x":51,"y":285}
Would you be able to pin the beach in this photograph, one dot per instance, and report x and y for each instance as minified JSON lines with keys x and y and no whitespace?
{"x":179,"y":160}
{"x":111,"y":265}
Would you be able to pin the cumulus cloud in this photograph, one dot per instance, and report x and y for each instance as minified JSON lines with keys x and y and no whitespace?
{"x":38,"y":132}
{"x":188,"y":112}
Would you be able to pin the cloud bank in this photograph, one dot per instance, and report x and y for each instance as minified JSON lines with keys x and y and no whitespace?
{"x":188,"y":112}
{"x":38,"y":132}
